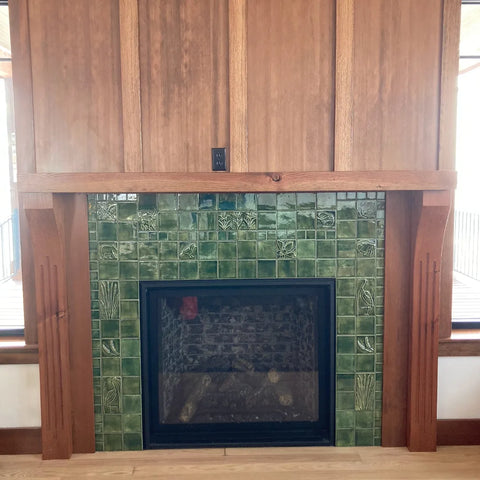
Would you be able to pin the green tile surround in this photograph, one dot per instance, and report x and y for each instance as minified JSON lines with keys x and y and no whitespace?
{"x":204,"y":236}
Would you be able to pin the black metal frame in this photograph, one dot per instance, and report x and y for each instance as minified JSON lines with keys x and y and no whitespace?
{"x":248,"y":434}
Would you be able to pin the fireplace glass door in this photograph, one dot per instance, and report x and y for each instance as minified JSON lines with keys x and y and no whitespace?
{"x":238,"y":362}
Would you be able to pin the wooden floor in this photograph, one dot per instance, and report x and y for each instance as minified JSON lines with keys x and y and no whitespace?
{"x":303,"y":463}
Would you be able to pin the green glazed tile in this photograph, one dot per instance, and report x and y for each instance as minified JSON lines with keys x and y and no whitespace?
{"x":187,"y":220}
{"x":168,"y":270}
{"x":133,"y":441}
{"x":346,"y":287}
{"x":130,"y":366}
{"x":130,"y":347}
{"x":188,"y":270}
{"x":306,"y":201}
{"x":187,"y":251}
{"x":247,"y":250}
{"x":326,"y":200}
{"x":207,"y":250}
{"x":128,"y":250}
{"x":227,"y":250}
{"x":267,"y":249}
{"x":347,"y":229}
{"x":131,"y":385}
{"x":128,"y":310}
{"x":366,"y":228}
{"x":112,"y":423}
{"x":345,"y":325}
{"x":366,"y":267}
{"x":108,"y":270}
{"x":266,"y":269}
{"x":246,"y":201}
{"x":109,"y":328}
{"x":110,"y":367}
{"x":127,"y":232}
{"x":346,"y":248}
{"x":207,"y":221}
{"x":207,"y":269}
{"x":326,"y":248}
{"x":128,"y":270}
{"x":107,"y":232}
{"x":266,"y":201}
{"x":127,"y":212}
{"x":364,"y":437}
{"x":227,"y":269}
{"x":130,"y":328}
{"x":287,"y":268}
{"x":286,"y":201}
{"x":345,"y":267}
{"x":207,"y":201}
{"x":168,"y":221}
{"x":132,"y":423}
{"x":326,"y":268}
{"x":346,"y":344}
{"x":188,"y":201}
{"x":132,"y":404}
{"x":267,"y":221}
{"x":345,"y":437}
{"x":345,"y":382}
{"x":305,"y":268}
{"x":227,"y":201}
{"x":346,"y":306}
{"x":345,"y":419}
{"x":112,"y":442}
{"x":148,"y":271}
{"x":147,"y":250}
{"x":310,"y":234}
{"x":364,"y":419}
{"x":365,"y":325}
{"x":365,"y":363}
{"x":346,"y":210}
{"x":345,"y":401}
{"x":286,"y":220}
{"x":330,"y":235}
{"x":306,"y":220}
{"x":166,"y":201}
{"x":168,"y":251}
{"x":247,"y":269}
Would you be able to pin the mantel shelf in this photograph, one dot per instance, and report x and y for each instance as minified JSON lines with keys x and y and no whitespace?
{"x":236,"y":182}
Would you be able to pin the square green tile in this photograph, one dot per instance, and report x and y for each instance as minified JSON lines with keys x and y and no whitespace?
{"x":227,"y":269}
{"x":306,"y":220}
{"x":345,"y":419}
{"x":168,"y":270}
{"x":267,"y":269}
{"x":166,"y":201}
{"x":207,"y":221}
{"x":109,"y":328}
{"x":247,"y":269}
{"x":148,"y":271}
{"x":128,"y":270}
{"x":127,"y":232}
{"x":207,"y":250}
{"x":187,"y":220}
{"x":346,"y":248}
{"x":132,"y":423}
{"x":128,"y":250}
{"x":266,"y":201}
{"x":246,"y":201}
{"x":286,"y":220}
{"x":326,"y":200}
{"x":207,"y":201}
{"x":345,"y":401}
{"x":132,"y":404}
{"x":168,"y":251}
{"x":227,"y":201}
{"x":108,"y":270}
{"x":345,"y":306}
{"x":346,"y":210}
{"x":133,"y":441}
{"x":365,"y":363}
{"x":366,"y":228}
{"x":267,"y":221}
{"x":346,"y":287}
{"x":267,"y":249}
{"x":130,"y":347}
{"x":207,"y":269}
{"x":107,"y":232}
{"x":305,"y":268}
{"x":345,"y":325}
{"x":326,"y":248}
{"x":346,"y":344}
{"x":365,"y":325}
{"x":347,"y":229}
{"x":287,"y":268}
{"x":306,"y":201}
{"x":127,"y":212}
{"x":188,"y":201}
{"x":112,"y":423}
{"x":227,"y":250}
{"x":306,"y":248}
{"x":345,"y":267}
{"x":363,"y":437}
{"x":345,"y":364}
{"x":131,"y":385}
{"x":188,"y":270}
{"x":286,"y":201}
{"x":147,"y":250}
{"x":326,"y":268}
{"x":110,"y":367}
{"x":130,"y":328}
{"x":345,"y":382}
{"x":364,"y":419}
{"x":112,"y":442}
{"x":366,"y":267}
{"x":131,"y":366}
{"x":247,"y":250}
{"x":168,"y":221}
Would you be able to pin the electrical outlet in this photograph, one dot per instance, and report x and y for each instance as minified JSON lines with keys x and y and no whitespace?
{"x":219,"y":159}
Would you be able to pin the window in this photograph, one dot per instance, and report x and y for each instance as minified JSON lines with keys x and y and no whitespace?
{"x":466,"y":275}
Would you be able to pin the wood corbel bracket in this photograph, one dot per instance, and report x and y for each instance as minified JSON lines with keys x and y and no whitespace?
{"x":46,"y":223}
{"x":431,"y":211}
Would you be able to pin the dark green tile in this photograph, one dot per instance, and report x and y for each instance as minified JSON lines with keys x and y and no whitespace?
{"x":188,"y":270}
{"x":207,"y":221}
{"x":364,"y":419}
{"x":346,"y":306}
{"x":247,"y":269}
{"x":130,"y":328}
{"x":346,"y":344}
{"x":207,"y":201}
{"x":132,"y":404}
{"x":266,"y":201}
{"x":128,"y":310}
{"x":306,"y":201}
{"x":109,"y":328}
{"x":306,"y":268}
{"x":187,"y":251}
{"x":346,"y":248}
{"x":267,"y":221}
{"x":365,"y":363}
{"x":287,"y":268}
{"x":132,"y":423}
{"x":326,"y":200}
{"x":286,"y":220}
{"x":326,"y":248}
{"x":131,"y":385}
{"x":207,"y":269}
{"x":168,"y":221}
{"x":168,"y":251}
{"x":107,"y":232}
{"x":133,"y":441}
{"x":345,"y":437}
{"x":345,"y":267}
{"x":127,"y":232}
{"x":246,"y":201}
{"x":366,"y":267}
{"x":247,"y":250}
{"x":130,"y":347}
{"x":187,"y":220}
{"x":130,"y":366}
{"x":168,"y":270}
{"x":346,"y":287}
{"x":286,"y":201}
{"x":266,"y":269}
{"x":112,"y":442}
{"x":345,"y":401}
{"x":148,"y":271}
{"x":227,"y":201}
{"x":167,"y":201}
{"x":128,"y":251}
{"x":364,"y":437}
{"x":345,"y":382}
{"x":127,"y":212}
{"x":365,"y":325}
{"x":326,"y":268}
{"x":306,"y":220}
{"x":207,"y":250}
{"x":347,"y":229}
{"x":267,"y":249}
{"x":128,"y":270}
{"x":366,"y":228}
{"x":346,"y":210}
{"x":112,"y":423}
{"x":345,"y":364}
{"x":227,"y":250}
{"x":108,"y":270}
{"x":110,"y":367}
{"x":148,"y":250}
{"x":345,"y":419}
{"x":188,"y":201}
{"x":227,"y":269}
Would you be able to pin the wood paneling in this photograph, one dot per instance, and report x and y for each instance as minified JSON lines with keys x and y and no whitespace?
{"x":433,"y":208}
{"x":24,"y":355}
{"x":459,"y":347}
{"x":290,"y":65}
{"x":396,"y":79}
{"x":398,"y":254}
{"x":184,"y":83}
{"x":20,"y":441}
{"x":77,"y":96}
{"x":458,"y":432}
{"x":236,"y":182}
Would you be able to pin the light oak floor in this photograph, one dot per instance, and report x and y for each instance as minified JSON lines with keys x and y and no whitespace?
{"x":304,"y":463}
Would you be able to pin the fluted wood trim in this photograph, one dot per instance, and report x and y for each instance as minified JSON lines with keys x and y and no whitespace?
{"x":433,"y":209}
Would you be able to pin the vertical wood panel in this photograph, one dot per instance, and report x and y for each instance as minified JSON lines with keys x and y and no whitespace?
{"x":77,"y":95}
{"x":290,"y":63}
{"x":396,"y":72}
{"x":130,"y":67}
{"x":184,"y":77}
{"x":343,"y":85}
{"x":237,"y":41}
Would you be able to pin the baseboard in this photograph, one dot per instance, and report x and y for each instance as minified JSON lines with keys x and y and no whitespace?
{"x":20,"y":440}
{"x":458,"y":432}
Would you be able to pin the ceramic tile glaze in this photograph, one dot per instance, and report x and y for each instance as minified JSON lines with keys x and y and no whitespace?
{"x":225,"y":235}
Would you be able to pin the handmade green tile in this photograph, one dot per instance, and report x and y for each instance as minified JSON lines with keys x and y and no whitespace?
{"x":366,"y":228}
{"x":287,"y":268}
{"x":267,"y":221}
{"x":246,"y":201}
{"x":365,"y":325}
{"x":365,"y":363}
{"x":207,"y":250}
{"x":207,"y":201}
{"x":168,"y":251}
{"x":128,"y":270}
{"x":107,"y":231}
{"x":207,"y":221}
{"x":188,"y":270}
{"x":110,"y":367}
{"x":132,"y":423}
{"x":227,"y":201}
{"x":129,"y":328}
{"x":366,"y":267}
{"x":345,"y":401}
{"x":247,"y":269}
{"x":346,"y":210}
{"x":112,"y":442}
{"x":227,"y":250}
{"x":130,"y":347}
{"x":345,"y":437}
{"x":345,"y":267}
{"x":148,"y":250}
{"x":207,"y":269}
{"x":130,"y":366}
{"x":168,"y":270}
{"x":346,"y":248}
{"x":128,"y":251}
{"x":286,"y":201}
{"x":306,"y":220}
{"x":132,"y":404}
{"x":346,"y":229}
{"x":131,"y":385}
{"x":127,"y":232}
{"x":326,"y":248}
{"x":267,"y":268}
{"x":108,"y":270}
{"x":227,"y":269}
{"x":305,"y":268}
{"x":363,"y":437}
{"x":148,"y":271}
{"x":345,"y":419}
{"x":346,"y":306}
{"x":133,"y":441}
{"x":109,"y":328}
{"x":345,"y":382}
{"x":266,"y":201}
{"x":112,"y":423}
{"x":166,"y":201}
{"x":247,"y":250}
{"x":346,"y":344}
{"x":267,"y":249}
{"x":286,"y":220}
{"x":128,"y":310}
{"x":306,"y":201}
{"x":168,"y":221}
{"x":127,"y":212}
{"x":326,"y":200}
{"x":188,"y":201}
{"x":326,"y":268}
{"x":187,"y":220}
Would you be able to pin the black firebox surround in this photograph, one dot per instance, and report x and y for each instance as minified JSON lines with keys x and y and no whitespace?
{"x":156,"y":435}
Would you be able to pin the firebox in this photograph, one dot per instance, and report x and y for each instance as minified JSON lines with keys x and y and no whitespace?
{"x":238,"y":363}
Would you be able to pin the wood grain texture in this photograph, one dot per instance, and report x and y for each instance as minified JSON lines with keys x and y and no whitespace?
{"x":77,"y":95}
{"x":448,"y":90}
{"x":306,"y":463}
{"x":184,"y":83}
{"x":396,"y":84}
{"x":46,"y":227}
{"x":458,"y":432}
{"x":22,"y":85}
{"x":237,"y":74}
{"x":14,"y":355}
{"x":459,"y":347}
{"x":344,"y":51}
{"x":236,"y":182}
{"x":130,"y":68}
{"x":20,"y":441}
{"x":75,"y":214}
{"x":290,"y":64}
{"x":398,"y":254}
{"x":433,"y":208}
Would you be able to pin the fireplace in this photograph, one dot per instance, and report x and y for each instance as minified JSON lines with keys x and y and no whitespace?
{"x":239,"y":362}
